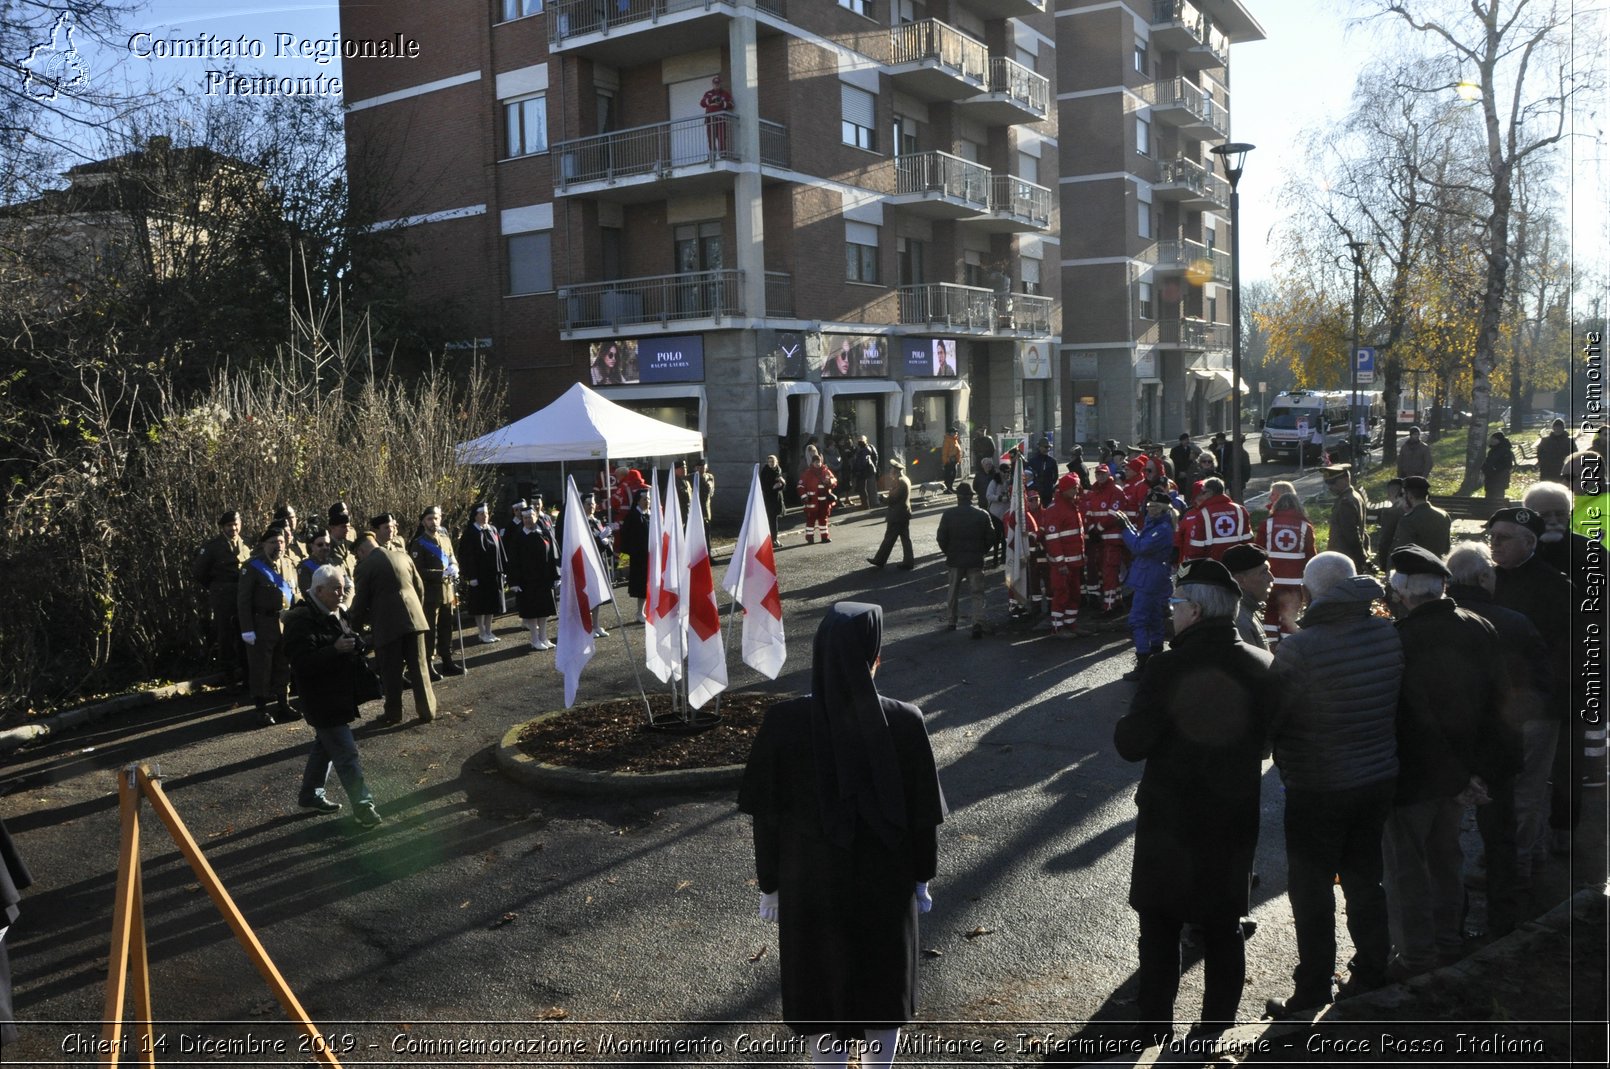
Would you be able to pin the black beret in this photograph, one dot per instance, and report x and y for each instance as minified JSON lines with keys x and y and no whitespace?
{"x":1243,"y":557}
{"x":283,"y":512}
{"x":1521,"y":515}
{"x":338,"y":515}
{"x":384,"y":517}
{"x":1417,"y":560}
{"x":1417,"y":483}
{"x":228,"y":516}
{"x":273,"y":530}
{"x":1160,"y":496}
{"x":1206,"y":570}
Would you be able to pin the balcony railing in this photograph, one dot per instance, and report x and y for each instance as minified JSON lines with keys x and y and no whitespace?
{"x":974,"y":309}
{"x":1178,"y":255}
{"x":659,"y":148}
{"x":1191,"y":334}
{"x":1214,"y":49}
{"x":575,"y":18}
{"x":931,"y":41}
{"x":943,"y":174}
{"x":779,"y":295}
{"x":774,"y":144}
{"x":1027,"y":88}
{"x":1021,"y":199}
{"x":1181,"y":94}
{"x":1195,"y":179}
{"x":661,"y":299}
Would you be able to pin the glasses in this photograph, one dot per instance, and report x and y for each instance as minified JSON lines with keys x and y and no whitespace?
{"x":1493,"y":539}
{"x":1174,"y":602}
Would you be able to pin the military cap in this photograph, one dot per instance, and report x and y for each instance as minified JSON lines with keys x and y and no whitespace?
{"x":339,"y":514}
{"x":273,"y":530}
{"x":1243,"y":557}
{"x":1521,"y":515}
{"x":283,"y":512}
{"x":1417,"y":560}
{"x":1208,"y":571}
{"x":1417,"y":484}
{"x":1335,"y":471}
{"x":586,"y":495}
{"x":228,"y":516}
{"x":384,"y":517}
{"x":1160,"y":497}
{"x":680,"y":464}
{"x":535,"y":498}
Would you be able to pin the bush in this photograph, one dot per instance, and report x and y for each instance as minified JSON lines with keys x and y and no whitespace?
{"x":101,"y":530}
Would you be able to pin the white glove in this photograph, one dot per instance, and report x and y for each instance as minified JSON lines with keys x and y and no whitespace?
{"x":768,"y":907}
{"x":249,"y":637}
{"x":925,"y":902}
{"x":451,"y":571}
{"x":513,"y":589}
{"x":475,"y":582}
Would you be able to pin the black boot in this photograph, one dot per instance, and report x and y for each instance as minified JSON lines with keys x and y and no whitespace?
{"x":282,"y":711}
{"x":1140,"y":666}
{"x":265,"y":718}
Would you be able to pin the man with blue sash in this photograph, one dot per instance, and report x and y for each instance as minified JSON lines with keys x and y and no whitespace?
{"x":432,"y":554}
{"x":267,"y":588}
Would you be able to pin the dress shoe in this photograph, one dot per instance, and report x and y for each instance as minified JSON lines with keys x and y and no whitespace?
{"x":282,"y":712}
{"x":425,"y":717}
{"x":905,"y":566}
{"x":265,"y":718}
{"x":435,"y":676}
{"x":386,"y":720}
{"x":1295,"y":1006}
{"x":542,"y":644}
{"x":487,"y":640}
{"x":320,"y":804}
{"x":877,"y":565}
{"x":452,"y":668}
{"x":364,"y":813}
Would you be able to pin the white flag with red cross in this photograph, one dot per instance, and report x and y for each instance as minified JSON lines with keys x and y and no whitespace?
{"x":752,"y":580}
{"x":583,"y":587}
{"x":707,"y":655}
{"x":665,"y":603}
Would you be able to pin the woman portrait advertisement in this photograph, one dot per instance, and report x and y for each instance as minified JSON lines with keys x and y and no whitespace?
{"x":614,"y":362}
{"x":841,"y":362}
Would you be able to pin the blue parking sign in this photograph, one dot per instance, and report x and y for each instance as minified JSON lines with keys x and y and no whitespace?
{"x":1365,"y":359}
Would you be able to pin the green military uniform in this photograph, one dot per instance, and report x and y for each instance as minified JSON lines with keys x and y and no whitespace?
{"x":1349,"y":534}
{"x":1425,"y":526}
{"x":217,"y":568}
{"x":259,"y":600}
{"x":433,"y":559}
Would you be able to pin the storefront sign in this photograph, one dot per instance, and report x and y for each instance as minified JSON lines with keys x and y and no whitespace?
{"x":852,"y":356}
{"x":627,"y":361}
{"x":929,"y":357}
{"x":1036,"y":359}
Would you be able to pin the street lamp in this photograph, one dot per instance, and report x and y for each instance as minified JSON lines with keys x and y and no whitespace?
{"x":1234,"y":155}
{"x":1357,"y":248}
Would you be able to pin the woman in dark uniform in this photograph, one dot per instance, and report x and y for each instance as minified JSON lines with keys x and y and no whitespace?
{"x":481,"y":549}
{"x":634,"y":543}
{"x":533,"y":569}
{"x":847,"y":804}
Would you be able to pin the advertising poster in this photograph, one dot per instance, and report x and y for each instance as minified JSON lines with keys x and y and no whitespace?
{"x":853,"y":356}
{"x":628,"y":361}
{"x":929,"y":357}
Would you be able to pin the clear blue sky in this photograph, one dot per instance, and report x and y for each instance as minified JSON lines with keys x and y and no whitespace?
{"x":1300,"y":76}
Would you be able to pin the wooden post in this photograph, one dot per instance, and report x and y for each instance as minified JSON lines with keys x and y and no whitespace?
{"x":140,"y":965}
{"x":125,"y":908}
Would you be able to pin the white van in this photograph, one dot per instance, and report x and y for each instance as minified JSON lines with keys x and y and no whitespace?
{"x":1294,"y":416}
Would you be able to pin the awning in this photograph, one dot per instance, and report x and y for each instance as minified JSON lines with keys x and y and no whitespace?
{"x":681,"y":391}
{"x":892,"y":412}
{"x":810,"y":401}
{"x":911,"y":387}
{"x":1219,"y":385}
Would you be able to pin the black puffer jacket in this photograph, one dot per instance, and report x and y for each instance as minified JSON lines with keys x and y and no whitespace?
{"x":1337,"y":727}
{"x":966,"y":534}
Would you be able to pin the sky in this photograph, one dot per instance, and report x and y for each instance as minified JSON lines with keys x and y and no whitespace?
{"x":1299,"y":77}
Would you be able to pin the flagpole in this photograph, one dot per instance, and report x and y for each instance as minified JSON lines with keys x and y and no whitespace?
{"x":620,"y":625}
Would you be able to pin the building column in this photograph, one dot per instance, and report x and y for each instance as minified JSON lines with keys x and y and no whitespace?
{"x":749,"y":233}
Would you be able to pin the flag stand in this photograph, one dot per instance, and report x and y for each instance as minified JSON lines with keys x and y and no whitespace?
{"x":620,"y":626}
{"x":129,"y":953}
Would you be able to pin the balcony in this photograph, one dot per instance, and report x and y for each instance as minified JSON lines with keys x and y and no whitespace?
{"x":1185,"y":106}
{"x":1213,"y":50}
{"x":1017,"y":206}
{"x":705,"y":297}
{"x":1173,"y":257}
{"x":975,"y":310}
{"x":649,"y":162}
{"x":1191,"y":184}
{"x":626,"y":33}
{"x":933,"y":61}
{"x":1191,"y":335}
{"x":1015,"y":95}
{"x":938,"y":185}
{"x":1176,"y":25}
{"x":1005,"y":9}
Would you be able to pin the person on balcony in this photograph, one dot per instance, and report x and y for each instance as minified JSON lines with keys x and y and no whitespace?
{"x":716,"y":103}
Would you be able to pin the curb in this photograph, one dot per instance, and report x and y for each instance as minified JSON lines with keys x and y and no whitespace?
{"x":527,"y":770}
{"x":18,"y":737}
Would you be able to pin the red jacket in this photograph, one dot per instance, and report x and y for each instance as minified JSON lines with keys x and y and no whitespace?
{"x":1102,"y":504}
{"x":1289,"y":541}
{"x":1062,"y":528}
{"x":814,"y":483}
{"x":1210,"y":529}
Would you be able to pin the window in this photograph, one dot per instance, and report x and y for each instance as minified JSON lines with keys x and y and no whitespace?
{"x":859,"y":111}
{"x":530,"y":262}
{"x":525,"y":126}
{"x":1029,"y":268}
{"x":1144,"y":219}
{"x":909,"y":254}
{"x":1143,"y":299}
{"x":1143,"y":60}
{"x":905,"y":136}
{"x":857,"y":6}
{"x":1212,"y":309}
{"x":519,"y":9}
{"x":973,"y":273}
{"x":1143,"y":137}
{"x":860,"y":252}
{"x":1028,"y":167}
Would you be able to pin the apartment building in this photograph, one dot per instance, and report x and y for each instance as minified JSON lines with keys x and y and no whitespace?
{"x":764,"y":219}
{"x":1143,"y":94}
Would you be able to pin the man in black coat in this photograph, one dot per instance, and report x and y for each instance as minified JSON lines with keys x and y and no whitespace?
{"x":1453,"y":750}
{"x":1198,"y":720}
{"x":966,"y":534}
{"x":326,"y":660}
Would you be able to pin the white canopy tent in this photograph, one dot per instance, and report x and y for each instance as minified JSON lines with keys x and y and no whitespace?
{"x":581,"y":425}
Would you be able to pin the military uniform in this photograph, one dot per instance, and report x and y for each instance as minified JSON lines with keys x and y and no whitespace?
{"x":437,"y":567}
{"x":217,"y":568}
{"x":1425,"y":526}
{"x":266,"y":589}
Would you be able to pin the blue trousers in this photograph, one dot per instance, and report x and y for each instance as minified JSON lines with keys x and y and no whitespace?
{"x":1146,"y":614}
{"x":334,"y":746}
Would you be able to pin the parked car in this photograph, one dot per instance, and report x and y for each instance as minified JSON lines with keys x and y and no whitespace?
{"x":1453,"y":417}
{"x":1537,"y":417}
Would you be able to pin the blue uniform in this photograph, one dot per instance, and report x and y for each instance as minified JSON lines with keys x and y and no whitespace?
{"x":1151,"y":578}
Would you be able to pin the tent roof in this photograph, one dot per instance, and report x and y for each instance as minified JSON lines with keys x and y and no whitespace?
{"x":581,"y":425}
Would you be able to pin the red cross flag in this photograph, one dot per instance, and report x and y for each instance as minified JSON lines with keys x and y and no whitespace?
{"x":663,"y":603}
{"x":752,"y":581}
{"x":583,"y":587}
{"x":707,"y":655}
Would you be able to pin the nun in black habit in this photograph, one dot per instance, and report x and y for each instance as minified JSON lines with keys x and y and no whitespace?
{"x":846,"y":805}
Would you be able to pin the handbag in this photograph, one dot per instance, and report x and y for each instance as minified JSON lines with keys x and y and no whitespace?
{"x":365,"y":681}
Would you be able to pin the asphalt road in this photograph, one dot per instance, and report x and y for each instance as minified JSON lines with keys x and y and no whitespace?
{"x":483,"y":910}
